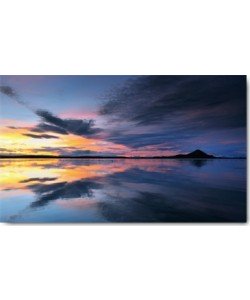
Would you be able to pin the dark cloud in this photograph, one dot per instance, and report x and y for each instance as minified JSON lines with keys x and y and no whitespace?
{"x":8,"y":91}
{"x":153,"y":99}
{"x":78,"y":152}
{"x":54,"y":124}
{"x":73,"y":126}
{"x":146,"y":139}
{"x":38,"y":179}
{"x":43,"y":127}
{"x":40,"y":136}
{"x":175,"y":108}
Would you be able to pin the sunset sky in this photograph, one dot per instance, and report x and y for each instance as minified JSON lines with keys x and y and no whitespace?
{"x":122,"y":115}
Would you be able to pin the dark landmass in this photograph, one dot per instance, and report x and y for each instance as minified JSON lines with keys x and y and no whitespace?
{"x":197,"y":154}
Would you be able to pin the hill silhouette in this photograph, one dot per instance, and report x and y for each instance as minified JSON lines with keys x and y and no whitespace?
{"x":195,"y":154}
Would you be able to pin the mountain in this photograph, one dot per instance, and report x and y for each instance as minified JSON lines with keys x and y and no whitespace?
{"x":195,"y":154}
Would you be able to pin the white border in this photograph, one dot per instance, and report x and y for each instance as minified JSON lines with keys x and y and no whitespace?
{"x":124,"y":262}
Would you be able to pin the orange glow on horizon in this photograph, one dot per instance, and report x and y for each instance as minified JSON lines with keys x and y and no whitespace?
{"x":14,"y":141}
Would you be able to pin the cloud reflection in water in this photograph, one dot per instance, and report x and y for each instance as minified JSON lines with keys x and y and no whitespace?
{"x":124,"y":190}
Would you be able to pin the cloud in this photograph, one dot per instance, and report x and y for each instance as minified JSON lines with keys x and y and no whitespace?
{"x":38,"y":179}
{"x":146,"y":139}
{"x":73,"y":126}
{"x":166,"y":109}
{"x":43,"y":127}
{"x":13,"y":127}
{"x":155,"y":99}
{"x":55,"y":124}
{"x":41,"y":136}
{"x":8,"y":91}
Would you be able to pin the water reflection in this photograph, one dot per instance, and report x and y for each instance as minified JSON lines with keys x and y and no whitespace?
{"x":91,"y":190}
{"x":199,"y":162}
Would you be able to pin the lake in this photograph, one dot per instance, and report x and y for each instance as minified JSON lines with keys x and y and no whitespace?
{"x":122,"y":190}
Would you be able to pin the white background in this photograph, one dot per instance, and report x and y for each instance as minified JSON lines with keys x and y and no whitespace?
{"x":124,"y":262}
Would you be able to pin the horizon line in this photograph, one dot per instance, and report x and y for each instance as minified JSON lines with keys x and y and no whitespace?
{"x":117,"y":157}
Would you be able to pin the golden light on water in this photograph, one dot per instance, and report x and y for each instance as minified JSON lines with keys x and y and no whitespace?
{"x":16,"y":172}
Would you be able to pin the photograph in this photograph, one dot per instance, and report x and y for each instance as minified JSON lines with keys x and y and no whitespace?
{"x":123,"y":149}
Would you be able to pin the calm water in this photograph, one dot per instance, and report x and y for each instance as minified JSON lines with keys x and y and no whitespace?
{"x":91,"y":190}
